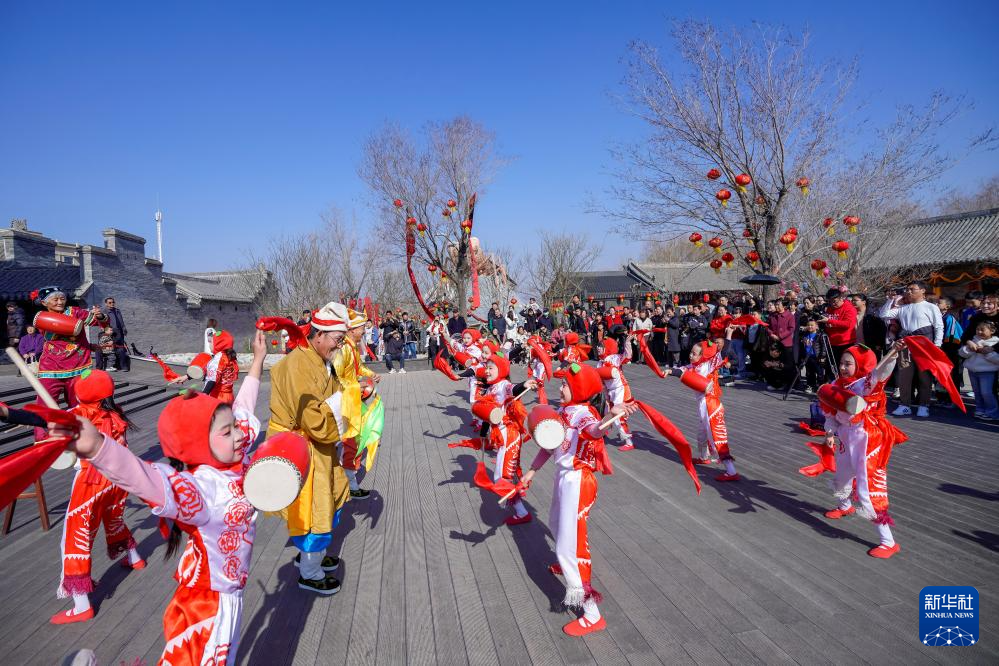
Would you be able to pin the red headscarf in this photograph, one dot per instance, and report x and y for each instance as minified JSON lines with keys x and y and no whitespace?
{"x":222,"y":341}
{"x":502,"y":367}
{"x":866,"y":361}
{"x":583,"y":380}
{"x":610,"y":347}
{"x":184,"y":428}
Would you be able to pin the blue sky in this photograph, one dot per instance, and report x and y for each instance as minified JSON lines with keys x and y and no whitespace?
{"x":246,"y":119}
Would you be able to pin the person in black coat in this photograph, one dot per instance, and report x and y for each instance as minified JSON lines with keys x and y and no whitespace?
{"x":118,"y":330}
{"x":673,"y":326}
{"x":456,"y":325}
{"x":657,"y":344}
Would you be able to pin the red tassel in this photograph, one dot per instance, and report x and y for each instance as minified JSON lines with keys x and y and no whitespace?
{"x":928,"y":356}
{"x":475,"y":443}
{"x":809,"y":430}
{"x":882,"y":518}
{"x":650,"y":360}
{"x":481,"y":477}
{"x":168,"y":374}
{"x":673,"y":435}
{"x":19,"y":470}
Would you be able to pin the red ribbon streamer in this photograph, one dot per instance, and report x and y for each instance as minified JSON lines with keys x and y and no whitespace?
{"x":928,"y":356}
{"x":19,"y":470}
{"x":650,"y":360}
{"x":410,"y":251}
{"x":673,"y":435}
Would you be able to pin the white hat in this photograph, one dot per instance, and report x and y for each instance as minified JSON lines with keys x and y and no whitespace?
{"x":330,"y":317}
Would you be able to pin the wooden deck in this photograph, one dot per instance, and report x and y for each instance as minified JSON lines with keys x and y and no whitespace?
{"x":749,"y":572}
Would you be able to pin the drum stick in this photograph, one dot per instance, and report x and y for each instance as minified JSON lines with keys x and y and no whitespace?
{"x":608,"y":424}
{"x":506,"y":498}
{"x":32,"y":379}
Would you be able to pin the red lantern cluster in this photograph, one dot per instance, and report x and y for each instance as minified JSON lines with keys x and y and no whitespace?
{"x":716,"y":264}
{"x":723,"y":196}
{"x":410,"y":220}
{"x":754,"y":258}
{"x":397,"y":203}
{"x":695,"y":238}
{"x":451,"y":203}
{"x":714,"y":174}
{"x":728,"y":258}
{"x":466,"y":225}
{"x":789,"y":238}
{"x":851,"y":222}
{"x":742,"y":180}
{"x":422,"y":228}
{"x":716,"y":243}
{"x":828,"y":224}
{"x":802,"y":184}
{"x":840,"y":247}
{"x":818,"y":265}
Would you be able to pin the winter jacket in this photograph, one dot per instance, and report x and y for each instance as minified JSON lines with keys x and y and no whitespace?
{"x":979,"y":362}
{"x":842,"y":325}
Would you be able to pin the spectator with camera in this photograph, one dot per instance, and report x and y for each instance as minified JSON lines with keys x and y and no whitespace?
{"x":839,"y":322}
{"x":915,"y":316}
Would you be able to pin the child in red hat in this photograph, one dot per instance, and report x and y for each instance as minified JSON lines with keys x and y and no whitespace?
{"x":207,"y":443}
{"x":580,"y":456}
{"x":94,"y":500}
{"x":616,"y":387}
{"x":223,"y":370}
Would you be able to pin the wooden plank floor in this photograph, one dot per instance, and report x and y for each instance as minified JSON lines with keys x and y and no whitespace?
{"x":749,"y":572}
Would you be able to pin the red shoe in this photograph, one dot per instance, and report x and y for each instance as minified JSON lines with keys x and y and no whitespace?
{"x":725,"y":476}
{"x":626,"y":447}
{"x":514,"y":520}
{"x":555,"y":569}
{"x":883,"y":552}
{"x":704,"y":461}
{"x":125,"y":564}
{"x":68,"y":617}
{"x":836,"y":514}
{"x":582,"y":626}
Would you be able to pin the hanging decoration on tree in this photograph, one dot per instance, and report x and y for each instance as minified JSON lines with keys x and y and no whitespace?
{"x":466,"y":225}
{"x":741,"y":181}
{"x":749,"y":236}
{"x":620,"y":298}
{"x":829,"y":225}
{"x":716,"y":264}
{"x":789,"y":238}
{"x":446,"y":212}
{"x":452,"y":204}
{"x":841,"y":246}
{"x":714,"y":174}
{"x":410,"y":251}
{"x":432,"y":268}
{"x":716,"y":243}
{"x":723,"y":196}
{"x":695,"y":238}
{"x":802,"y":184}
{"x":728,"y":258}
{"x":754,"y":258}
{"x":422,"y":228}
{"x":472,"y":244}
{"x":397,"y":203}
{"x":818,"y":265}
{"x":851,"y":222}
{"x":761,"y":200}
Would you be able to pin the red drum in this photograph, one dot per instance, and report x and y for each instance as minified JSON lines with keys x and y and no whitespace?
{"x":546,"y":427}
{"x":836,"y":397}
{"x":488,"y":410}
{"x":58,"y":324}
{"x":693,"y":380}
{"x":608,"y":372}
{"x":199,"y":366}
{"x":277,"y":471}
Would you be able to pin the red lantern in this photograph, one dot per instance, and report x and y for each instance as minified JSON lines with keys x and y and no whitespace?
{"x":620,"y":298}
{"x":451,"y":203}
{"x":513,"y":301}
{"x":705,"y":297}
{"x":274,"y":343}
{"x":467,"y":226}
{"x":841,"y":247}
{"x":793,"y":231}
{"x":410,"y":220}
{"x":851,"y":222}
{"x":432,"y":268}
{"x":716,"y":264}
{"x":754,"y":258}
{"x":676,"y":299}
{"x":716,"y":243}
{"x":423,"y":321}
{"x":828,"y":224}
{"x":742,"y":180}
{"x":422,"y":228}
{"x":788,"y":239}
{"x":714,"y":174}
{"x":397,"y":203}
{"x":749,"y":236}
{"x":817,"y":266}
{"x":446,"y":212}
{"x":728,"y":258}
{"x":802,"y":184}
{"x":723,"y":196}
{"x":695,"y":238}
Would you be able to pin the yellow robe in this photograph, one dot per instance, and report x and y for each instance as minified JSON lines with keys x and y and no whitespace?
{"x":348,"y":367}
{"x":300,"y":384}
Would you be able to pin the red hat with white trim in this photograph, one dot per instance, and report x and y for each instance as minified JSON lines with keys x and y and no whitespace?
{"x":331,"y":317}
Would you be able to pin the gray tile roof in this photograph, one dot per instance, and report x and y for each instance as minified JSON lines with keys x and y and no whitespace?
{"x":227,"y":286}
{"x":971,"y":237}
{"x":18,"y":283}
{"x":605,"y":284}
{"x":694,"y":277}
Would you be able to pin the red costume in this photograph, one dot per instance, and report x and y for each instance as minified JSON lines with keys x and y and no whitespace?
{"x":611,"y":369}
{"x":223,"y":371}
{"x":573,"y":352}
{"x":712,"y":437}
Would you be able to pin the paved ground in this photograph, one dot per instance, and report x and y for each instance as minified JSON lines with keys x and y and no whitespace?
{"x":745,"y":573}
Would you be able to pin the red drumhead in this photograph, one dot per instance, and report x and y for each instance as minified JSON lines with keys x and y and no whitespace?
{"x":272,"y":483}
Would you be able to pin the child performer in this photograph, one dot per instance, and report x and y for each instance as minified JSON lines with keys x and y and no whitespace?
{"x":866,"y":440}
{"x":223,"y":370}
{"x":210,"y":438}
{"x":349,"y":369}
{"x":536,"y":366}
{"x":509,"y":435}
{"x":573,"y":352}
{"x":469,"y":354}
{"x":615,"y":385}
{"x":580,"y":456}
{"x":712,"y":437}
{"x":92,"y":501}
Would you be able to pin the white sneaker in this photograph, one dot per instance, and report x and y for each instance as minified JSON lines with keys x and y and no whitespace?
{"x":922,"y":411}
{"x":403,"y":371}
{"x":392,"y":371}
{"x":902,"y":410}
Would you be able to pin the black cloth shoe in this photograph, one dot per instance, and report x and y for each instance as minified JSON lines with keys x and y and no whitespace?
{"x":330,"y":562}
{"x":325,"y":586}
{"x":360,"y":493}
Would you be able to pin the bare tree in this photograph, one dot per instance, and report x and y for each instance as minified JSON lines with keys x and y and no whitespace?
{"x":674,"y":251}
{"x":985,"y":196}
{"x":752,"y":103}
{"x":556,"y":266}
{"x":428,"y":184}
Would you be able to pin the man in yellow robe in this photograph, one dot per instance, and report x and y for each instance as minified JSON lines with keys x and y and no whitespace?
{"x":349,"y":369}
{"x":303,"y":386}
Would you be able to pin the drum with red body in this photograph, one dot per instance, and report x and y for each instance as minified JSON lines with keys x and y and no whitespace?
{"x":488,"y":410}
{"x":694,"y":380}
{"x":277,"y":471}
{"x":837,"y":398}
{"x":58,"y":324}
{"x":546,"y":427}
{"x":198,"y":367}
